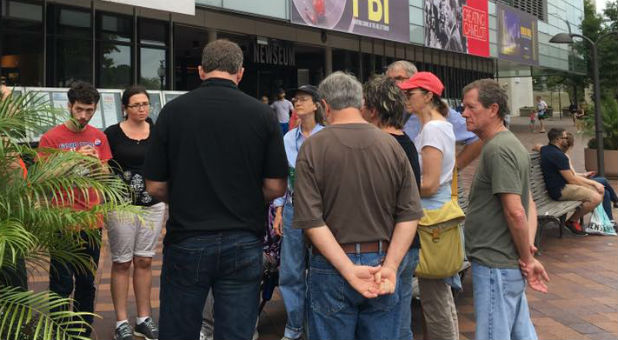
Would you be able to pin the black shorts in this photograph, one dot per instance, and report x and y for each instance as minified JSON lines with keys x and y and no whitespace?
{"x":541,"y":116}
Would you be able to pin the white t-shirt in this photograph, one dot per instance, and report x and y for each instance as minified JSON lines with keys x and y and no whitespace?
{"x":438,"y":134}
{"x":282,"y":108}
{"x":541,"y":106}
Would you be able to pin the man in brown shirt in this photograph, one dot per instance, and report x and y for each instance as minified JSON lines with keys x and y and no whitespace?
{"x":357,"y":202}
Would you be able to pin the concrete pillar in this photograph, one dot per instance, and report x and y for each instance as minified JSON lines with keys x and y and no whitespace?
{"x":212,"y":35}
{"x":519,"y":90}
{"x":328,"y":60}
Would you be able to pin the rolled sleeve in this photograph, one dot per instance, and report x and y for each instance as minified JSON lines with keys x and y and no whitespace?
{"x":462,"y":135}
{"x":308,"y":210}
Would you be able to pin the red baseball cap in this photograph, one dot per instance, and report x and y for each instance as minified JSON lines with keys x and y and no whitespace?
{"x":424,"y":80}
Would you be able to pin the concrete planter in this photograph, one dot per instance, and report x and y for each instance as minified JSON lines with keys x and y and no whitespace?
{"x":610,"y":157}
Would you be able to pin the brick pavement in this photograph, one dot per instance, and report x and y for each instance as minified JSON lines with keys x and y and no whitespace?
{"x":582,"y":302}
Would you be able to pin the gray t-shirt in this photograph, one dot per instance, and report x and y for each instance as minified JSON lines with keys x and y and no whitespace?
{"x":357,"y":180}
{"x":504,"y":167}
{"x":282,"y":109}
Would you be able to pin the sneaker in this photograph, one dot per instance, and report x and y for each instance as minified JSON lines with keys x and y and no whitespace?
{"x":123,"y":332}
{"x":575,"y":228}
{"x":147,"y":329}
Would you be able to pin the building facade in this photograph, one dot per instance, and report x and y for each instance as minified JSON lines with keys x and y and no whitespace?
{"x":51,"y":43}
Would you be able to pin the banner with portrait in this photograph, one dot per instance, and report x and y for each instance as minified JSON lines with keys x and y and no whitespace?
{"x":457,"y":26}
{"x":384,"y":19}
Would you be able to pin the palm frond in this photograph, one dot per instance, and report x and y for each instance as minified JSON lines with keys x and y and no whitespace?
{"x":46,"y":314}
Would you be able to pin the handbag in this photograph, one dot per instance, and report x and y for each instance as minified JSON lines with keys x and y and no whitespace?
{"x":600,"y":224}
{"x":441,"y":253}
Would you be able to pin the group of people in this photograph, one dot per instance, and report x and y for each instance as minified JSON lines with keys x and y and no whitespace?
{"x":564,"y":184}
{"x":132,"y":238}
{"x":349,"y":184}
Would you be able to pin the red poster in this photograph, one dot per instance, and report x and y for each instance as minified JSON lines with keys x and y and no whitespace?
{"x":475,"y":27}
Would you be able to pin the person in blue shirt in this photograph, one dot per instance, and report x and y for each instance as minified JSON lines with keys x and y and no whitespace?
{"x":293,"y":251}
{"x":402,"y":70}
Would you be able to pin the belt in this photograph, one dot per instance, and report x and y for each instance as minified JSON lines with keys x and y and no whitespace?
{"x":360,"y":247}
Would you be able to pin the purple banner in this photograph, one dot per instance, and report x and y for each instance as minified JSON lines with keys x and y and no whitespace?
{"x":517,"y":36}
{"x":384,"y":19}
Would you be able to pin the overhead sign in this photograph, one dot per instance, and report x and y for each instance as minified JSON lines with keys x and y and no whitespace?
{"x":518,"y":38}
{"x":176,"y":6}
{"x":384,"y":19}
{"x":458,"y":26}
{"x":273,"y":53}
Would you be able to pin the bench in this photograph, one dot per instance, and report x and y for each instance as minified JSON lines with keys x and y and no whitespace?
{"x":548,"y":209}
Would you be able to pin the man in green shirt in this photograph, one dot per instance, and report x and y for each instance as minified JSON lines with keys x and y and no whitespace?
{"x":501,"y":220}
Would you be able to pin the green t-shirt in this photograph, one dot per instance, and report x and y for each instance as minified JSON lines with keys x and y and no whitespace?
{"x":504,"y":167}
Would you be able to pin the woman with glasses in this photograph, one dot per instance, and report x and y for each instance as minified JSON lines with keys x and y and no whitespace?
{"x":436,"y":148}
{"x":133,"y":239}
{"x":293,"y":251}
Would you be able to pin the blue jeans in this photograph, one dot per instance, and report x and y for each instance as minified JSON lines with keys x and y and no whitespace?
{"x":228,"y":262}
{"x":61,"y":279}
{"x":408,"y":266}
{"x":292,"y":280}
{"x":608,"y":197}
{"x":337,"y":311}
{"x":500,"y":304}
{"x":284,"y":128}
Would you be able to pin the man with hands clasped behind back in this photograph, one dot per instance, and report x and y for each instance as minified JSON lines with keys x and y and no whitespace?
{"x":356,"y":201}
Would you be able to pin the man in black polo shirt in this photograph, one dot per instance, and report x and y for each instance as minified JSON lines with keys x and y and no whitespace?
{"x":561,"y":182}
{"x":217,"y":157}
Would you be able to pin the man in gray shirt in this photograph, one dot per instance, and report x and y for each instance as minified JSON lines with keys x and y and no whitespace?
{"x":501,"y":220}
{"x":356,"y":199}
{"x":283,"y":109}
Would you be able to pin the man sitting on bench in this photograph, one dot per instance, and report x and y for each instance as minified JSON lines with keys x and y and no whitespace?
{"x":562,"y":184}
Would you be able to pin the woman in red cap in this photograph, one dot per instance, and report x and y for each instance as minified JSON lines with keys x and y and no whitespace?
{"x":436,"y":148}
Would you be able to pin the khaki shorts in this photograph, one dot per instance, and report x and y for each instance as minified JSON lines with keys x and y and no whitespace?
{"x":129,"y":236}
{"x":572,"y":192}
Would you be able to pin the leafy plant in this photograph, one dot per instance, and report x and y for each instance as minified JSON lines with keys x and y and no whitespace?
{"x":609,"y":117}
{"x":36,"y":221}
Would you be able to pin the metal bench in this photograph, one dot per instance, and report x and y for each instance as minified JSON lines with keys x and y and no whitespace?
{"x":548,"y":209}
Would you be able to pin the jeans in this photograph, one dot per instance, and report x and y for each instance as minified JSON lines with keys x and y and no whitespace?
{"x":228,"y":262}
{"x":337,"y":311}
{"x":292,"y":280}
{"x":608,"y":197}
{"x":61,"y":279}
{"x":408,"y":266}
{"x":284,"y":128}
{"x":500,"y":304}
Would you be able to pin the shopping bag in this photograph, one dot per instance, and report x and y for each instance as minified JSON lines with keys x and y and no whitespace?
{"x":600,"y":224}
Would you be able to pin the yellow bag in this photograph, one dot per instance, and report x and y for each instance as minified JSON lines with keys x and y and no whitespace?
{"x":441,"y":253}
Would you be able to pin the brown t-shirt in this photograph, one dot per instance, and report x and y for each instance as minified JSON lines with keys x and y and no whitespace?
{"x":357,"y":180}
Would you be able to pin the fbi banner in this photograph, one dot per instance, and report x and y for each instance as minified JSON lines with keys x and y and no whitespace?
{"x":517,"y":36}
{"x":384,"y":19}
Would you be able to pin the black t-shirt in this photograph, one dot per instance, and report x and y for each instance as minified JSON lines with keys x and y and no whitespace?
{"x":410,"y":150}
{"x":553,"y":160}
{"x":128,"y":159}
{"x":214,"y":146}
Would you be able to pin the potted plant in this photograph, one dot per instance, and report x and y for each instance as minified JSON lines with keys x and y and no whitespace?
{"x":609,"y":113}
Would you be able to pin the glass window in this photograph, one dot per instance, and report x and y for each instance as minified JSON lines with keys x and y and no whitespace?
{"x":70,"y":45}
{"x":69,"y":60}
{"x":21,"y":43}
{"x":115,"y":70}
{"x":153,"y":32}
{"x":153,"y":68}
{"x":115,"y":27}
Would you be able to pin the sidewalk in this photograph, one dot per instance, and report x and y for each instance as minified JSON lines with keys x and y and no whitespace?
{"x":582,"y":302}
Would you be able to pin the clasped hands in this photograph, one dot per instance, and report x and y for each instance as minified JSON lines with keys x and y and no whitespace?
{"x":371,"y":282}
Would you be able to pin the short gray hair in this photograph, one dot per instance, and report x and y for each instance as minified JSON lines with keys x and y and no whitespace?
{"x":405,"y":65}
{"x":341,"y":90}
{"x":490,"y":92}
{"x":222,"y":55}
